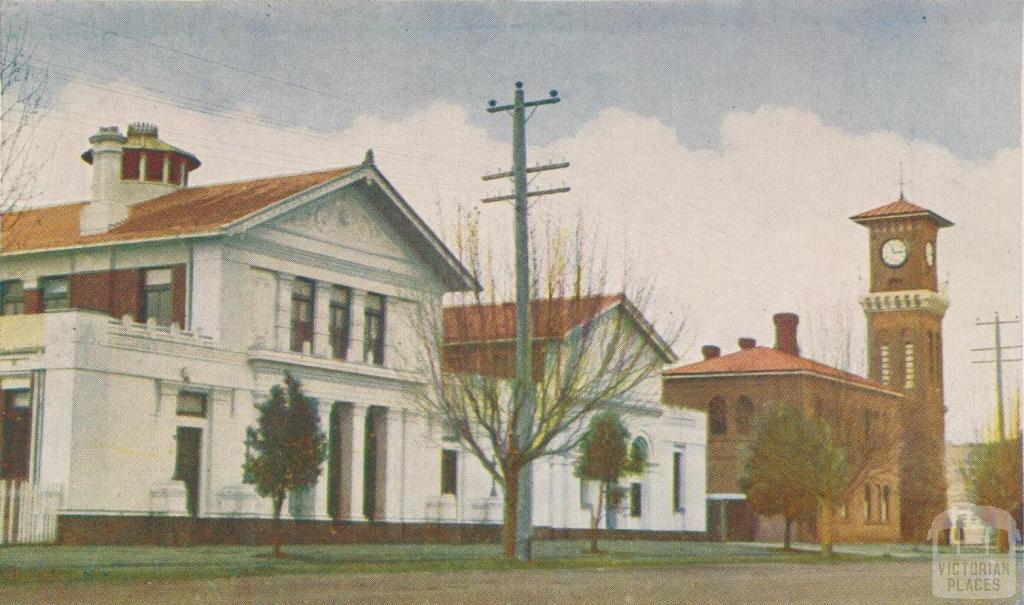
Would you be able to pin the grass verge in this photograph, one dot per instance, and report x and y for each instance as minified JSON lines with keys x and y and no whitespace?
{"x":50,"y":564}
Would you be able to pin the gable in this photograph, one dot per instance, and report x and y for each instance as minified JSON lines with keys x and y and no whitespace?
{"x":345,"y":218}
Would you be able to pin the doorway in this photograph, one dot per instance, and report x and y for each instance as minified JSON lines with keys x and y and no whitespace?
{"x":186,"y":465}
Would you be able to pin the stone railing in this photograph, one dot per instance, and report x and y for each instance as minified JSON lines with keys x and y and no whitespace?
{"x":126,"y":326}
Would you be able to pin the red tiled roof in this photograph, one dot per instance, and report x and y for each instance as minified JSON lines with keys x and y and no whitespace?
{"x":766,"y":360}
{"x":192,"y":210}
{"x":548,"y":318}
{"x":900,"y":207}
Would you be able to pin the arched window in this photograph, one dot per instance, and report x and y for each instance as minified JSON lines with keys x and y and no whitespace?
{"x":744,"y":415}
{"x":639,"y":450}
{"x":716,"y":416}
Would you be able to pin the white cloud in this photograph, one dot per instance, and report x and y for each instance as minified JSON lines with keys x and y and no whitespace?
{"x":757,"y":226}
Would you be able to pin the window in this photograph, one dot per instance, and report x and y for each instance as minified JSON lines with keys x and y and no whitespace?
{"x":12,"y":298}
{"x":302,"y":315}
{"x":867,"y":502}
{"x":716,"y":416}
{"x":373,"y":350}
{"x":15,"y":433}
{"x":191,"y":404}
{"x":844,"y":511}
{"x":678,"y":482}
{"x":449,"y":466}
{"x":584,"y":494}
{"x":339,"y":325}
{"x":908,"y":366}
{"x":55,"y":293}
{"x":638,"y":450}
{"x":883,"y":504}
{"x":931,"y":351}
{"x":884,"y":353}
{"x":156,"y":296}
{"x":744,"y":415}
{"x":635,"y":499}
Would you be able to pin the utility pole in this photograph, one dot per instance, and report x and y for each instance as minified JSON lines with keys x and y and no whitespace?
{"x":999,"y":361}
{"x":523,"y":395}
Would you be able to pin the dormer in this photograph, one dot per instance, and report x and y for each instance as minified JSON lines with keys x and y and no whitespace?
{"x":128,"y":170}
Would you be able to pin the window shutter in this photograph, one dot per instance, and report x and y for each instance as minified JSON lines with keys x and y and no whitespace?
{"x":178,"y":293}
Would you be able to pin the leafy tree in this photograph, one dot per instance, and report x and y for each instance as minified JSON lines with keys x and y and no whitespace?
{"x":605,"y":457}
{"x":993,"y":476}
{"x":792,"y":468}
{"x":286,"y":449}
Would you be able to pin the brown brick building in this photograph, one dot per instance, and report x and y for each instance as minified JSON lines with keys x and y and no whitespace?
{"x":903,"y":392}
{"x":733,"y":388}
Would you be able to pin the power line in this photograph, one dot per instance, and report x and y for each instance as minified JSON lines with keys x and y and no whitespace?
{"x":198,"y":57}
{"x":270,"y":124}
{"x":999,"y":361}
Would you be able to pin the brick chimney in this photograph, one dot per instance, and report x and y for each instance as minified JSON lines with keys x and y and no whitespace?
{"x":710,"y":351}
{"x":785,"y":333}
{"x":747,"y":343}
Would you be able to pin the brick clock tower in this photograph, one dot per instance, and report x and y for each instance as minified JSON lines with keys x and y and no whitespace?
{"x":904,"y":309}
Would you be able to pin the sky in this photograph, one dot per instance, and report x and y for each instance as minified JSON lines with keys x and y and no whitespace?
{"x":719,"y":147}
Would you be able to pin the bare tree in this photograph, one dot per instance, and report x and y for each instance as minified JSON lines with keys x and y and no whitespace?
{"x":871,"y":440}
{"x":22,"y":92}
{"x":591,"y":350}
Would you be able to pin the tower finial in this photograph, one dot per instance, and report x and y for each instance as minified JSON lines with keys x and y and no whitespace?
{"x":368,"y":159}
{"x":902,"y":199}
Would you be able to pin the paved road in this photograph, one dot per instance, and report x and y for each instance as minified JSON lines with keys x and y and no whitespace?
{"x":860,"y":583}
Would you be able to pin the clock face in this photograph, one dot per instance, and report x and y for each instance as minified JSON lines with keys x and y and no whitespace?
{"x":929,"y":253}
{"x":894,"y":252}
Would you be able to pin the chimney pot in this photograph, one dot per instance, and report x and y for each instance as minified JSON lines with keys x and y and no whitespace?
{"x":747,"y":343}
{"x":785,"y":333}
{"x":710,"y":351}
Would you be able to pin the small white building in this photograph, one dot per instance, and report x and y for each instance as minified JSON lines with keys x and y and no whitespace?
{"x":669,"y":495}
{"x":139,"y":329}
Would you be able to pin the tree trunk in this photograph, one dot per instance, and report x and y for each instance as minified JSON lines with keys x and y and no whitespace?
{"x":278,"y":503}
{"x":825,"y":529}
{"x":508,"y":531}
{"x":595,"y":518}
{"x":787,"y":541}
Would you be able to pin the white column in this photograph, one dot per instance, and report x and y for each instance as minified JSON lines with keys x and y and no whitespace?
{"x":284,"y":311}
{"x":358,"y":447}
{"x":320,"y":488}
{"x":322,"y":320}
{"x":358,"y":323}
{"x":395,"y":474}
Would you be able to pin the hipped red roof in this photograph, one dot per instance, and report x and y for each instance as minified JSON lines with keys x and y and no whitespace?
{"x":900,"y":207}
{"x":759,"y":360}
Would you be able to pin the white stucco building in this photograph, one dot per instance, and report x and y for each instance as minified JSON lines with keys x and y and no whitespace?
{"x":138,"y":329}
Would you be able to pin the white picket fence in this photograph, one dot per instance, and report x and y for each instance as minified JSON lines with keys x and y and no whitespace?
{"x":28,"y":512}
